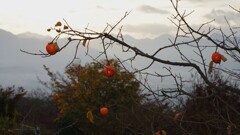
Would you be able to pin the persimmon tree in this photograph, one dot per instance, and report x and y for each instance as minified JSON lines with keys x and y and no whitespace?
{"x":193,"y":47}
{"x":83,"y":90}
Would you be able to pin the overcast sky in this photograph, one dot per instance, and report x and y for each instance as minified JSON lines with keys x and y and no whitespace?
{"x":149,"y":18}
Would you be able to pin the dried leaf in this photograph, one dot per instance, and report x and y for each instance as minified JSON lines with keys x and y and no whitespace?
{"x":210,"y":67}
{"x":49,"y":30}
{"x":229,"y":130}
{"x":177,"y":115}
{"x":90,"y":116}
{"x":56,"y":46}
{"x":58,"y":24}
{"x":58,"y":30}
{"x":164,"y":132}
{"x":65,"y":27}
{"x":84,"y":42}
{"x":157,"y":133}
{"x":223,"y":58}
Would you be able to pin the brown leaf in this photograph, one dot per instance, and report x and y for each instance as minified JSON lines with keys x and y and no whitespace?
{"x":58,"y":30}
{"x":223,"y":58}
{"x":229,"y":130}
{"x":84,"y":42}
{"x":58,"y":24}
{"x":177,"y":115}
{"x":56,"y":46}
{"x":65,"y":27}
{"x":164,"y":132}
{"x":157,"y":133}
{"x":210,"y":67}
{"x":90,"y":116}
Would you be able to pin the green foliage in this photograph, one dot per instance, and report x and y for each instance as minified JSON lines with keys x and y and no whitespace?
{"x":8,"y":114}
{"x":86,"y":88}
{"x":8,"y":124}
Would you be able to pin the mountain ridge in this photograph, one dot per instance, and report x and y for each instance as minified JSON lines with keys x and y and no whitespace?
{"x":32,"y":35}
{"x":21,"y":69}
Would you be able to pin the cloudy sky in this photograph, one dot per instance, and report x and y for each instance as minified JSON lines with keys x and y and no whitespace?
{"x":147,"y":19}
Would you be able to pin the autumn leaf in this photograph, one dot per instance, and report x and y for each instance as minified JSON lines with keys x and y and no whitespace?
{"x":164,"y":132}
{"x":58,"y":24}
{"x":157,"y":133}
{"x":177,"y":115}
{"x":56,"y":46}
{"x":90,"y":116}
{"x":229,"y":130}
{"x":58,"y":30}
{"x":65,"y":27}
{"x":84,"y":42}
{"x":210,"y":67}
{"x":223,"y":58}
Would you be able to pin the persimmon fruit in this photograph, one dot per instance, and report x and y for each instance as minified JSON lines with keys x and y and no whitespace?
{"x":109,"y":71}
{"x":52,"y":48}
{"x":104,"y":111}
{"x":216,"y":57}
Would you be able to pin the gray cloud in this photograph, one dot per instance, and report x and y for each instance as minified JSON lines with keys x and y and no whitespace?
{"x":105,"y":8}
{"x":150,"y":9}
{"x":154,"y":29}
{"x":218,"y":15}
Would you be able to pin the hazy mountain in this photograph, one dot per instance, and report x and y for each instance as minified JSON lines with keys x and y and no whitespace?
{"x":20,"y":69}
{"x":30,"y":35}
